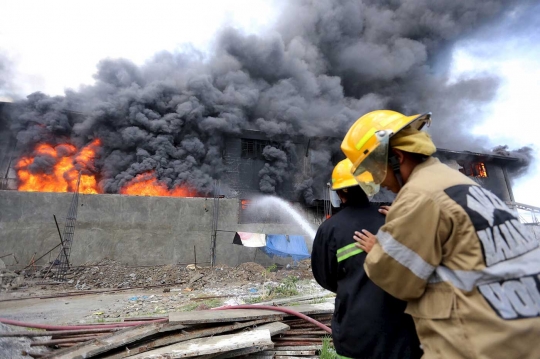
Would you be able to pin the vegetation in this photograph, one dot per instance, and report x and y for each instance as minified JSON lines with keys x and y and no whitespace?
{"x":328,"y":351}
{"x":210,"y":303}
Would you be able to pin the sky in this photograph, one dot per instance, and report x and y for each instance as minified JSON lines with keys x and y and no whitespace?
{"x":512,"y":51}
{"x":56,"y":45}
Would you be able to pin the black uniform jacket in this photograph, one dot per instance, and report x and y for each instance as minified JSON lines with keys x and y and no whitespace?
{"x":367,"y":322}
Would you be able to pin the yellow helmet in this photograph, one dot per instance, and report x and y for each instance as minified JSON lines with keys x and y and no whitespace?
{"x":366,"y":144}
{"x":342,"y":178}
{"x":342,"y":175}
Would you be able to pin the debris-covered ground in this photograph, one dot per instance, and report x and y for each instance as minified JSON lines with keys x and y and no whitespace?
{"x":109,"y":292}
{"x":158,"y":290}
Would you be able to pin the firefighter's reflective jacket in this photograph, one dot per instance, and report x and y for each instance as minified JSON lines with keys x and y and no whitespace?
{"x":367,"y":322}
{"x":466,"y":265}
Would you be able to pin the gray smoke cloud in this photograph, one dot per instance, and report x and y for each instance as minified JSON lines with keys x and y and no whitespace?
{"x":326,"y":63}
{"x":7,"y":83}
{"x":4,"y":73}
{"x":525,"y":155}
{"x":275,"y":169}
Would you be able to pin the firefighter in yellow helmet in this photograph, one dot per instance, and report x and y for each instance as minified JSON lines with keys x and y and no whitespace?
{"x":367,"y":323}
{"x":460,"y":257}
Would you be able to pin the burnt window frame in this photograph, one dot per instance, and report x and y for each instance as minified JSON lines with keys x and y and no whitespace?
{"x":470,"y":169}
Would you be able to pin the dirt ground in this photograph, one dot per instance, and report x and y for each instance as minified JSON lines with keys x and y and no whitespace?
{"x":155,"y":291}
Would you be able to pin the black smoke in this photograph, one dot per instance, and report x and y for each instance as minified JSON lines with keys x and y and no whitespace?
{"x":325,"y":64}
{"x":525,"y":156}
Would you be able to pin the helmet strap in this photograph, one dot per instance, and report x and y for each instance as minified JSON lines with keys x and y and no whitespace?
{"x":394,"y":162}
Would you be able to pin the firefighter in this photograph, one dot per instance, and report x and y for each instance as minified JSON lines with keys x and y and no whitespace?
{"x":367,"y":322}
{"x":453,"y":250}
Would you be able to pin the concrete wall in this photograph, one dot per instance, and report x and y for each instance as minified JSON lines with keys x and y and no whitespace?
{"x":130,"y":229}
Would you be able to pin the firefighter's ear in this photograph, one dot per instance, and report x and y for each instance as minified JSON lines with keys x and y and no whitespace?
{"x":399,"y":154}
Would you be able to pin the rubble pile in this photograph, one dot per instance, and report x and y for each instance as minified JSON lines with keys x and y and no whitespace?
{"x":10,"y":280}
{"x":109,"y":274}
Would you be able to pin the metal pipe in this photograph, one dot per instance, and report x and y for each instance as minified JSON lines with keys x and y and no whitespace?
{"x":69,"y":327}
{"x":57,"y":332}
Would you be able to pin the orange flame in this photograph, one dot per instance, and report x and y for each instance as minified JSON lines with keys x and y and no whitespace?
{"x":68,"y":161}
{"x":146,"y":184}
{"x":63,"y":177}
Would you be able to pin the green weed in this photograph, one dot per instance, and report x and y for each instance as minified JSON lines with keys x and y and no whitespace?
{"x":327,"y":350}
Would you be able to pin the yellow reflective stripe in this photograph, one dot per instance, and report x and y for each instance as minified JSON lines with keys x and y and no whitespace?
{"x":365,"y":138}
{"x":350,"y":254}
{"x":345,"y":248}
{"x":347,"y":252}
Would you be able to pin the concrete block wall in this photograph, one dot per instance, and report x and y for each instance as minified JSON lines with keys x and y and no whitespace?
{"x":130,"y":229}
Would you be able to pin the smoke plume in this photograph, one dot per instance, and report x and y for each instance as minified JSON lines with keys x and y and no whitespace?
{"x":326,"y":63}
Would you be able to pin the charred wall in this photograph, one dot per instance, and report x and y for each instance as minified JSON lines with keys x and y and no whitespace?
{"x":490,"y":171}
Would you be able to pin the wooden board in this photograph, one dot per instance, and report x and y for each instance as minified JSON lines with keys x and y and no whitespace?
{"x":188,"y":334}
{"x":296,"y":298}
{"x":237,"y":353}
{"x":303,"y":347}
{"x":204,"y":346}
{"x":104,"y":344}
{"x":219,"y":316}
{"x":289,"y":352}
{"x":274,"y":328}
{"x":312,"y":309}
{"x":239,"y":315}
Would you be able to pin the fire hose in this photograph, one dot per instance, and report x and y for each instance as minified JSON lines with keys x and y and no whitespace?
{"x":280,"y":309}
{"x":68,"y":327}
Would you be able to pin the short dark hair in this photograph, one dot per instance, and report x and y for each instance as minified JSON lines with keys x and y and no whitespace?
{"x":354,"y":195}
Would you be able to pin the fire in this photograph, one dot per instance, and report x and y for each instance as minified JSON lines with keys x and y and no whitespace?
{"x":63,"y":163}
{"x":480,"y":170}
{"x":67,"y":162}
{"x":146,"y":184}
{"x":245,"y":203}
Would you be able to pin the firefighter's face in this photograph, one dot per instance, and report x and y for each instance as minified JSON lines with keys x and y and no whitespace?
{"x":390,"y":181}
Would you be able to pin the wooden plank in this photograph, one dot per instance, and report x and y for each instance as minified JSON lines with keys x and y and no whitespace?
{"x":289,"y":352}
{"x":185,"y":335}
{"x":237,"y":353}
{"x":307,"y":332}
{"x":306,"y":347}
{"x":312,"y":309}
{"x":204,"y":346}
{"x":219,"y":316}
{"x":169,"y":327}
{"x":238,"y":315}
{"x":106,"y":343}
{"x":274,"y":328}
{"x":296,"y":298}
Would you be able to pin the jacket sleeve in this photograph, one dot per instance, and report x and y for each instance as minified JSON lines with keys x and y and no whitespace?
{"x":324,"y":260}
{"x":408,"y":247}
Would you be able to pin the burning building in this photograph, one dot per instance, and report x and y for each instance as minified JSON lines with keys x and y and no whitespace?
{"x":143,"y":216}
{"x":259,"y":114}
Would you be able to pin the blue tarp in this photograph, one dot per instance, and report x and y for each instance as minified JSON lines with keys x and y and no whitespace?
{"x":286,"y":246}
